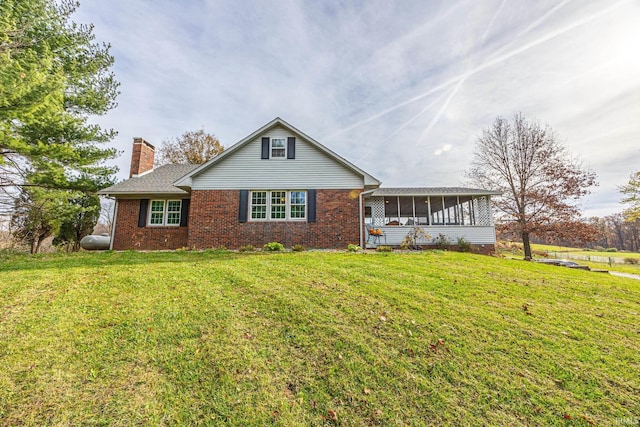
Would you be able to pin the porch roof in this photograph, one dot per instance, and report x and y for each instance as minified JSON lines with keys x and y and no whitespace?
{"x":433,"y":191}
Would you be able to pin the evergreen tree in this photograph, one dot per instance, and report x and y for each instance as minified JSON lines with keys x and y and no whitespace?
{"x":53,"y":77}
{"x":631,"y":191}
{"x":79,"y":221}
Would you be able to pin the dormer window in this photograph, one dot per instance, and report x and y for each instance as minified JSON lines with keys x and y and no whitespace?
{"x":278,"y":148}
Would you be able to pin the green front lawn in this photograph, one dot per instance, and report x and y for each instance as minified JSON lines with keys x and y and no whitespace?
{"x":314,"y":338}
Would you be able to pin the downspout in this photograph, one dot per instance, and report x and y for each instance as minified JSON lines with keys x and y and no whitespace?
{"x":113,"y":227}
{"x":360,"y":207}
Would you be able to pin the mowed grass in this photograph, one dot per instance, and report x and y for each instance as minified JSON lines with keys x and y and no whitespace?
{"x":314,"y":338}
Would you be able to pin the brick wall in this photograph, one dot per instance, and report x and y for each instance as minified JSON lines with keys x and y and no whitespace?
{"x":214,"y":222}
{"x":129,"y":236}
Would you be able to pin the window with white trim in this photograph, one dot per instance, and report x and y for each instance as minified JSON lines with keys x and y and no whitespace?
{"x":298,"y":204}
{"x":165,"y":212}
{"x":278,"y":205}
{"x":258,"y":205}
{"x":278,"y":148}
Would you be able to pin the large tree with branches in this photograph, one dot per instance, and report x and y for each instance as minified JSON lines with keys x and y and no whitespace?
{"x":53,"y":77}
{"x":193,"y":147}
{"x":541,"y":182}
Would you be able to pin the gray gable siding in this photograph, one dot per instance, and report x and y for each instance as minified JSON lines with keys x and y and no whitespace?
{"x":245,"y":169}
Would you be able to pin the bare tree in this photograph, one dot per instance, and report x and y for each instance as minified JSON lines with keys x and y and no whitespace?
{"x":541,"y":183}
{"x":105,"y":222}
{"x":195,"y":147}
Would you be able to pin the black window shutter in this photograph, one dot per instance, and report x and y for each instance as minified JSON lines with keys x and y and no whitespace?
{"x":311,"y":205}
{"x":291,"y":147}
{"x":265,"y":147}
{"x":184,"y":212}
{"x":142,"y":215}
{"x":244,"y":205}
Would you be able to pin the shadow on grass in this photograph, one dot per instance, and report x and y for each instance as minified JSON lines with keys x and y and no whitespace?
{"x":26,"y":262}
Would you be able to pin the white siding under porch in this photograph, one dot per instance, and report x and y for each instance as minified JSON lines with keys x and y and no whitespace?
{"x":244,"y":168}
{"x":475,"y":234}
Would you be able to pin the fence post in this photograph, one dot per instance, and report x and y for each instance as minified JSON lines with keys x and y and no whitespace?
{"x":610,"y":261}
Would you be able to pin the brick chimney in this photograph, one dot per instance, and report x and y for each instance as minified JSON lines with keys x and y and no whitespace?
{"x":142,"y":157}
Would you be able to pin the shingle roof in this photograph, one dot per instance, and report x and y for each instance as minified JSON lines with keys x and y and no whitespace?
{"x":433,"y":191}
{"x":159,"y":180}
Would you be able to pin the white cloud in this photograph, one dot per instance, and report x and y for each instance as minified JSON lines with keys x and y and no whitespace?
{"x":392,"y":86}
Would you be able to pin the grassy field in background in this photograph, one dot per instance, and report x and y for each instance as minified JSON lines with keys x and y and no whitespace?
{"x":314,"y":338}
{"x":514,"y":250}
{"x":536,"y":247}
{"x":578,"y":251}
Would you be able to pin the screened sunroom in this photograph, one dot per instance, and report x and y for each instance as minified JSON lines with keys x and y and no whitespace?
{"x":452,"y":212}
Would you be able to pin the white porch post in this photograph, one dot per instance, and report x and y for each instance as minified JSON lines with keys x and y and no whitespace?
{"x":361,"y":207}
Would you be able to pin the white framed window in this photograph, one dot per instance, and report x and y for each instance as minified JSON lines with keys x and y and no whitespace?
{"x":278,"y":205}
{"x":278,"y":148}
{"x":258,"y":205}
{"x":165,"y":213}
{"x":298,"y":204}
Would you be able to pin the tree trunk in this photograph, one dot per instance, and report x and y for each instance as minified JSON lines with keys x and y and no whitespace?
{"x":527,"y":246}
{"x":38,"y":244}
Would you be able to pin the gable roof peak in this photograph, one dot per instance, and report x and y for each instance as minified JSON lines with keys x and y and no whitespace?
{"x":185,"y":181}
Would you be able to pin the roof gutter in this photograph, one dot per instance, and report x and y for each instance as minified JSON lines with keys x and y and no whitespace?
{"x":113,"y":225}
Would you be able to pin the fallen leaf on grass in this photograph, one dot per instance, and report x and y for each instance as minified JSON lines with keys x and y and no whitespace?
{"x":332,"y":415}
{"x":366,"y":391}
{"x":439,"y":344}
{"x":588,"y":420}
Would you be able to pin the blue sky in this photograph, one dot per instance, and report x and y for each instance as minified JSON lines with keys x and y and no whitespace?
{"x":400,"y":88}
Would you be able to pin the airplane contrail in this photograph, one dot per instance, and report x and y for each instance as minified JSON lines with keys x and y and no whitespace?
{"x":495,"y":15}
{"x":485,"y":65}
{"x":427,"y":107}
{"x":435,"y":119}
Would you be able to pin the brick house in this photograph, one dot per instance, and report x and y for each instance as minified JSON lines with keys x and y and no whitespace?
{"x":280,"y":185}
